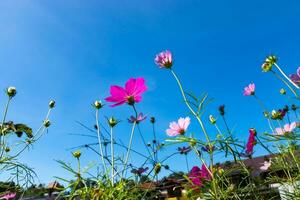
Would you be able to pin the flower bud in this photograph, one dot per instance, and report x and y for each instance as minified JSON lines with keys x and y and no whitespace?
{"x":47,"y":123}
{"x":98,"y":104}
{"x":7,"y":149}
{"x":152,"y":120}
{"x":149,"y":144}
{"x":271,"y":59}
{"x":157,"y":168}
{"x":212,"y":119}
{"x":282,"y":91}
{"x":52,"y":104}
{"x":266,"y":67}
{"x":294,"y":107}
{"x":76,"y":154}
{"x":222,"y":110}
{"x":112,"y":122}
{"x":167,"y":167}
{"x":11,"y":92}
{"x":266,"y":114}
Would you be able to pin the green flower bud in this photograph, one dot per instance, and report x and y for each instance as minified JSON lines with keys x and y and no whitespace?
{"x":98,"y":104}
{"x":157,"y":168}
{"x":212,"y":119}
{"x":52,"y":104}
{"x":294,"y":107}
{"x":11,"y":92}
{"x":76,"y":154}
{"x":266,"y":67}
{"x":266,"y":114}
{"x":47,"y":123}
{"x":282,"y":91}
{"x":271,"y":59}
{"x":7,"y":149}
{"x":112,"y":122}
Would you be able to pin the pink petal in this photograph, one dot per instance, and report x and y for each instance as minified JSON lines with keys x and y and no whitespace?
{"x":172,"y":132}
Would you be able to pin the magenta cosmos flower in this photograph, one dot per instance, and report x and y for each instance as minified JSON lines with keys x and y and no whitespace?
{"x":137,"y":119}
{"x":296,"y":77}
{"x":164,"y":59}
{"x":130,"y":94}
{"x":287,"y":128}
{"x":251,"y":141}
{"x":178,"y":128}
{"x":197,"y":175}
{"x":249,"y":90}
{"x":8,"y":196}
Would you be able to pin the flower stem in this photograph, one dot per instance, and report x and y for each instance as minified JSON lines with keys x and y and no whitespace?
{"x":99,"y":140}
{"x":189,"y":107}
{"x":292,"y":90}
{"x":130,"y":142}
{"x":285,"y":76}
{"x":112,"y":156}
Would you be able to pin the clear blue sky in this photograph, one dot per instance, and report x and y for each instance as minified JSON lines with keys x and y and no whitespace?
{"x":72,"y":51}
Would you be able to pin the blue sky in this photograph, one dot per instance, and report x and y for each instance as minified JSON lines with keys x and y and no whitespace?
{"x":72,"y":51}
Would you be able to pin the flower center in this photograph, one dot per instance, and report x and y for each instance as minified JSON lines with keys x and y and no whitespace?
{"x":130,"y":100}
{"x":181,"y":131}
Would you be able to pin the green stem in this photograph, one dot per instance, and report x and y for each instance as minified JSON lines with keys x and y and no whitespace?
{"x":3,"y":121}
{"x":285,"y":76}
{"x":292,"y":90}
{"x":129,"y":147}
{"x":100,"y":141}
{"x":189,"y":107}
{"x":112,"y":156}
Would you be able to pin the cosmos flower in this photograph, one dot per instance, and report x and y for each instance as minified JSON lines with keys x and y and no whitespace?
{"x":184,"y":150}
{"x":164,"y":59}
{"x":197,"y":175}
{"x":287,"y":128}
{"x":251,"y":141}
{"x":139,"y":171}
{"x":8,"y":196}
{"x":208,"y":148}
{"x":249,"y":90}
{"x":178,"y":128}
{"x":296,"y":77}
{"x":130,"y":94}
{"x":139,"y":118}
{"x":265,"y":166}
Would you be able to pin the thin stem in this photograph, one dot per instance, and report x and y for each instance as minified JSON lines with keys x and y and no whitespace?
{"x":285,"y":76}
{"x":280,"y":78}
{"x":189,"y":107}
{"x":99,"y":140}
{"x":187,"y":163}
{"x":112,"y":156}
{"x":265,"y":110}
{"x":3,"y":121}
{"x":129,"y":147}
{"x":143,"y":140}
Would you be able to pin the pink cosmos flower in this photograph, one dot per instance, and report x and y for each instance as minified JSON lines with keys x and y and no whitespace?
{"x":178,"y":128}
{"x":132,"y":93}
{"x":197,"y":175}
{"x":164,"y":59}
{"x":287,"y":128}
{"x":249,"y":90}
{"x":8,"y":196}
{"x":139,"y":118}
{"x":296,"y":77}
{"x":251,"y":141}
{"x":265,"y":166}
